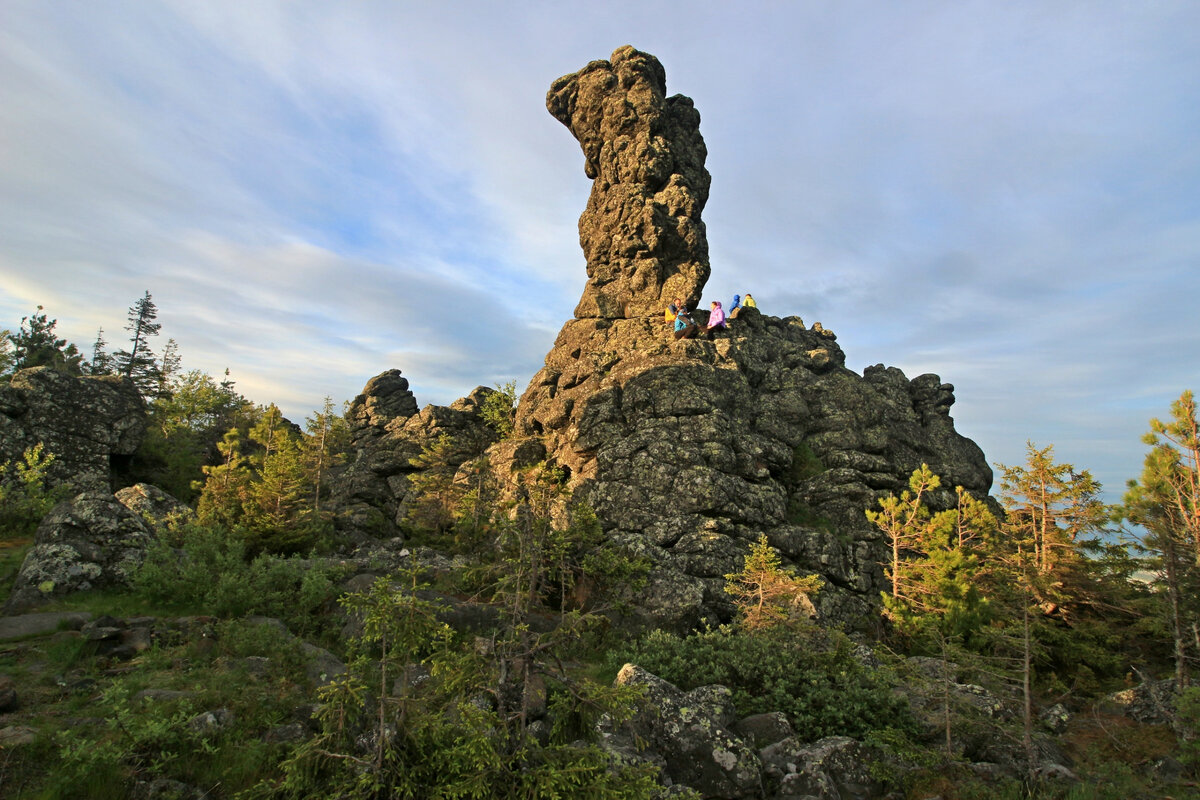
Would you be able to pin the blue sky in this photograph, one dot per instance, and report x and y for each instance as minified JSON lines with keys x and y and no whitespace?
{"x":1004,"y":193}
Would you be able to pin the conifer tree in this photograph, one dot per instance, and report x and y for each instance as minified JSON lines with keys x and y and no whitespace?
{"x":37,"y":345}
{"x":6,"y":353}
{"x":1055,"y":510}
{"x":139,"y":363}
{"x":328,"y":437}
{"x":101,"y":363}
{"x":1166,"y":503}
{"x":765,"y":593}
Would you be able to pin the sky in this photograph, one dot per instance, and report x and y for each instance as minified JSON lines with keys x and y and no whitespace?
{"x":1004,"y":193}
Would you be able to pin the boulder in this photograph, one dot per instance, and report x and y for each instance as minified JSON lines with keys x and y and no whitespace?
{"x":687,"y":735}
{"x":387,"y":432}
{"x":153,"y":504}
{"x":91,"y":541}
{"x":90,"y":425}
{"x":834,"y":768}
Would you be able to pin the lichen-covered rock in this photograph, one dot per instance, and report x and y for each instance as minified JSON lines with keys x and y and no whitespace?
{"x":88,"y":424}
{"x":834,"y":768}
{"x":152,"y":504}
{"x":694,"y":448}
{"x":1152,"y":702}
{"x":689,"y":450}
{"x":387,"y":433}
{"x":687,"y":734}
{"x":641,"y":231}
{"x":91,"y":541}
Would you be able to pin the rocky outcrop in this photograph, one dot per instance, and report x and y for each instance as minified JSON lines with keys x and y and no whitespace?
{"x":90,"y":425}
{"x":641,"y":231}
{"x":89,"y":542}
{"x":387,"y":432}
{"x":688,"y":450}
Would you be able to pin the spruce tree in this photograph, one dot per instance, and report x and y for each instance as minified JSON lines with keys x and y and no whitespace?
{"x":101,"y":363}
{"x":37,"y":345}
{"x":139,"y":363}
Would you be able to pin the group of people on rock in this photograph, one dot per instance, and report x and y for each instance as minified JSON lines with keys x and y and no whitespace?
{"x":685,"y":327}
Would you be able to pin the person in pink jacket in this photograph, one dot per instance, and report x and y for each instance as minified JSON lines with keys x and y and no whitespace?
{"x":716,"y":318}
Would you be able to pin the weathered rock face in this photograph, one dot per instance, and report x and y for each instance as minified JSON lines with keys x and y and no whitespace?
{"x":641,"y":232}
{"x":88,"y":424}
{"x":89,"y":542}
{"x":387,"y":432}
{"x":689,"y":450}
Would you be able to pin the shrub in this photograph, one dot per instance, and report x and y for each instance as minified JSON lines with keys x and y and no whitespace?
{"x":809,"y":674}
{"x":208,"y":568}
{"x":24,"y":498}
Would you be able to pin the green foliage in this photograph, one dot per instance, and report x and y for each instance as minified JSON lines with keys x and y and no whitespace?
{"x":208,"y":569}
{"x":765,"y":593}
{"x":36,"y":344}
{"x":24,"y":498}
{"x":139,"y":363}
{"x":447,"y":735}
{"x":499,"y":408}
{"x":806,"y":465}
{"x":810,"y":674}
{"x":1187,"y":711}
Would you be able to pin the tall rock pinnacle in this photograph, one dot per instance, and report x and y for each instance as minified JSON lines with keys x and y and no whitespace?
{"x":641,"y":231}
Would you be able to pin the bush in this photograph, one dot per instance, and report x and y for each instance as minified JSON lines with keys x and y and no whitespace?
{"x":809,"y":674}
{"x":24,"y":498}
{"x":208,"y":568}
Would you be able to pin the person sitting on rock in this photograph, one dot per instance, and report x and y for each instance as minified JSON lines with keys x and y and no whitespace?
{"x":684,"y":327}
{"x":735,"y":306}
{"x":748,"y":302}
{"x":716,"y":319}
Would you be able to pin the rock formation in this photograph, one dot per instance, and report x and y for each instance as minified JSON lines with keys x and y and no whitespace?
{"x":387,"y":432}
{"x":687,"y":450}
{"x":641,"y":231}
{"x":90,"y":425}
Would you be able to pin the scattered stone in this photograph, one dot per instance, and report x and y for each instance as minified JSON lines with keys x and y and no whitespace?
{"x":16,"y":736}
{"x":22,"y":625}
{"x":761,"y":730}
{"x":686,"y":732}
{"x":154,"y":505}
{"x":210,"y":722}
{"x":1056,"y":718}
{"x":1152,"y":702}
{"x":166,"y":789}
{"x":834,"y":767}
{"x":287,"y":733}
{"x":8,"y":694}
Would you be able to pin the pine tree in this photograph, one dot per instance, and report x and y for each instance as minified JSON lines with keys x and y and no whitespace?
{"x":37,"y":345}
{"x":101,"y":363}
{"x":1166,"y":503}
{"x":325,"y":445}
{"x":1055,"y":510}
{"x":765,"y":593}
{"x":139,"y":363}
{"x":168,"y":368}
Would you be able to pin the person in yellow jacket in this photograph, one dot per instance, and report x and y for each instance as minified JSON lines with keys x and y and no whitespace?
{"x":748,"y":301}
